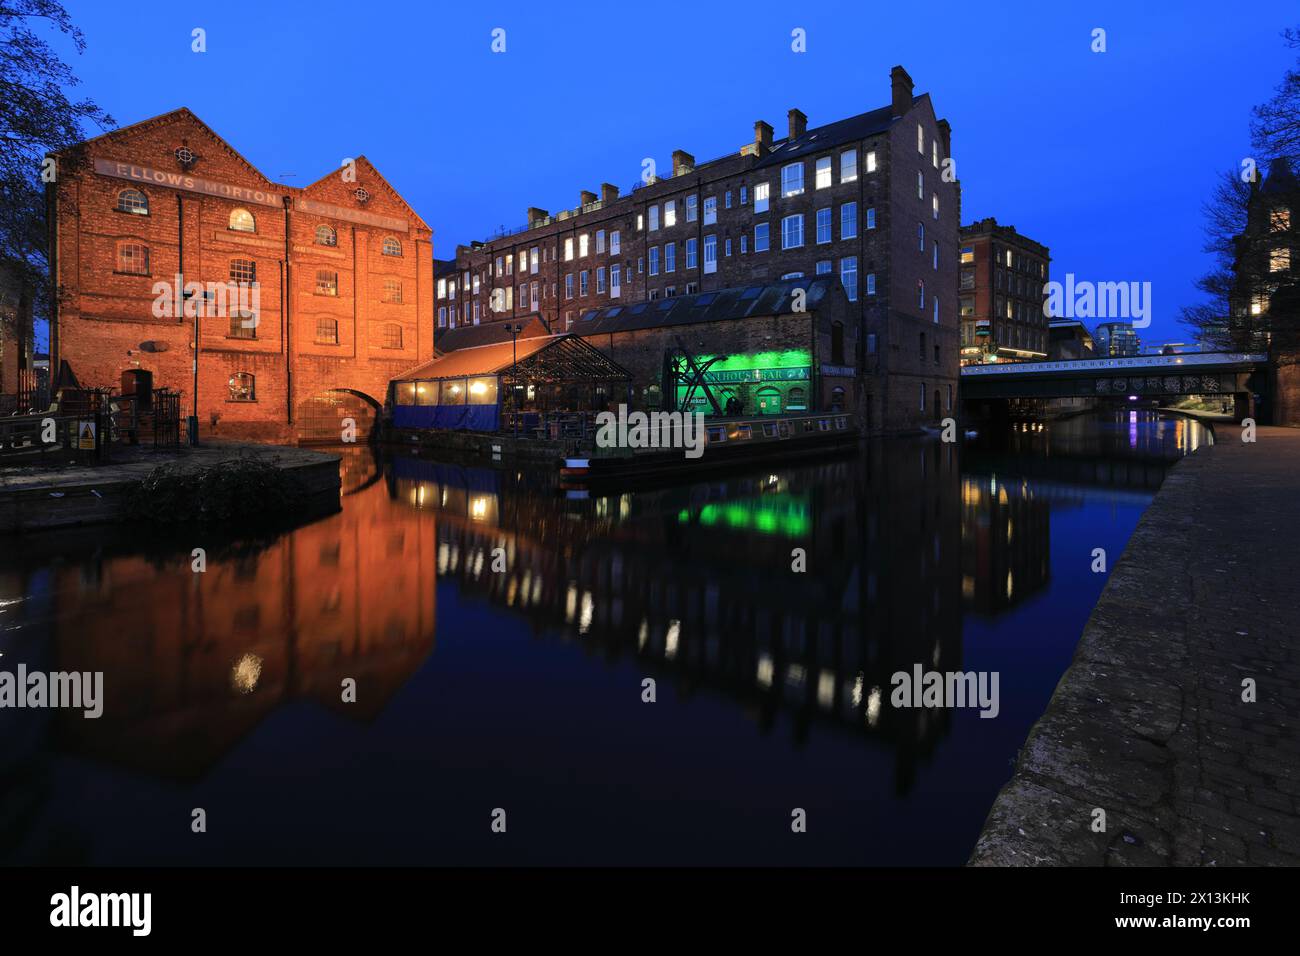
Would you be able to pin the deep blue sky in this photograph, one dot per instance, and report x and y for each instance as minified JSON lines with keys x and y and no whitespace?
{"x":1105,"y":158}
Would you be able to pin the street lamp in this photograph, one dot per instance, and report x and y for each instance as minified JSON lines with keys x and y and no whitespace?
{"x":514,"y":328}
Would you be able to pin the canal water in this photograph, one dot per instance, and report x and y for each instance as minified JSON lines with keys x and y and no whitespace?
{"x":484,"y":694}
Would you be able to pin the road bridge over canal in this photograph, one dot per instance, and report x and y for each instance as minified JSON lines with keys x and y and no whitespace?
{"x":1241,"y":375}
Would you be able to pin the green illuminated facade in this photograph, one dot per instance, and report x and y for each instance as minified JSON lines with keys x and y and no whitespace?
{"x":766,"y":383}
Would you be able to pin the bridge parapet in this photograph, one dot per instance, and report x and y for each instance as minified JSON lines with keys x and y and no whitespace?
{"x":1242,"y":360}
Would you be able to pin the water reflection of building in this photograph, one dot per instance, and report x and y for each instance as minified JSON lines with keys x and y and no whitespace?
{"x":696,"y":583}
{"x":1005,"y":543}
{"x":198,"y":660}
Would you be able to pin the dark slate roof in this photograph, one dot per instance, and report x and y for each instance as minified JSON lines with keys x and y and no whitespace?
{"x":773,"y":298}
{"x":443,"y":267}
{"x":489,"y":333}
{"x":831,"y":135}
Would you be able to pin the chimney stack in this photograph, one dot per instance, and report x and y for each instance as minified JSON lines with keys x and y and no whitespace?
{"x":798,"y":124}
{"x":945,"y":139}
{"x":535,"y":214}
{"x":585,"y":198}
{"x":901,"y":89}
{"x":762,"y":138}
{"x":608,"y":192}
{"x":683,"y":162}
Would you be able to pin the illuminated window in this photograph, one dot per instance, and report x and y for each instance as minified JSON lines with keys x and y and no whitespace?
{"x":822,"y":178}
{"x":1280,"y":219}
{"x":670,"y":213}
{"x":392,"y":247}
{"x":392,"y":336}
{"x":792,"y":179}
{"x":614,"y":243}
{"x":133,"y":201}
{"x":934,"y":204}
{"x":711,"y":210}
{"x":967,"y":254}
{"x":760,"y":197}
{"x":327,"y":283}
{"x":568,"y":249}
{"x":133,"y":258}
{"x":327,"y":330}
{"x":243,"y":387}
{"x":325,"y":236}
{"x":1279,"y":260}
{"x":848,"y":165}
{"x":871,"y":161}
{"x":920,"y":139}
{"x":241,"y":220}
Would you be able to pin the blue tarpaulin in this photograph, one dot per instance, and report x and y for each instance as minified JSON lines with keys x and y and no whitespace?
{"x":474,"y":418}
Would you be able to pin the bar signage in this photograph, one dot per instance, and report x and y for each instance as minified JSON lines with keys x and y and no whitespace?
{"x":351,"y":215}
{"x":737,"y":375}
{"x":193,"y":184}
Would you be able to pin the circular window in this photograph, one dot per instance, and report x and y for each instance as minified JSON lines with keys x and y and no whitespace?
{"x":361,"y":194}
{"x":184,"y":155}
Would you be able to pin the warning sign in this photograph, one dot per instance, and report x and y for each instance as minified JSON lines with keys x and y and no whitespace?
{"x":86,"y":436}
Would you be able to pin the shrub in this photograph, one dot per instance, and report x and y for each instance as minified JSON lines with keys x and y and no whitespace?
{"x":250,"y":491}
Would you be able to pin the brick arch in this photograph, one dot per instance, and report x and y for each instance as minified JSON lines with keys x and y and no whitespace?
{"x":318,"y":420}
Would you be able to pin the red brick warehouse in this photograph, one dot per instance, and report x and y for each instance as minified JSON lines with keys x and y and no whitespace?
{"x":343,"y":271}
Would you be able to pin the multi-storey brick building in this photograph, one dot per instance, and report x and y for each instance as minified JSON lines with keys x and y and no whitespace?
{"x":333,"y":294}
{"x":1003,"y":275}
{"x":872,"y":199}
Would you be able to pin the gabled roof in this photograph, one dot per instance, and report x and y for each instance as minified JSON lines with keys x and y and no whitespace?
{"x":774,"y":298}
{"x":489,"y":333}
{"x":368,"y":167}
{"x":1280,"y":178}
{"x":480,"y":359}
{"x":166,"y":119}
{"x":547,"y":358}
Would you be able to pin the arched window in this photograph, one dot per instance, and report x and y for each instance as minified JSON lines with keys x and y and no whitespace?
{"x":241,"y":220}
{"x":837,"y":343}
{"x":795,"y":400}
{"x":392,"y":247}
{"x":325,"y":236}
{"x":242,"y":387}
{"x":837,"y":399}
{"x":134,"y":201}
{"x":133,"y":258}
{"x":392,"y":336}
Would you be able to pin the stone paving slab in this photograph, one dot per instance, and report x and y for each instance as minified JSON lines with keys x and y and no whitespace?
{"x":1148,"y":723}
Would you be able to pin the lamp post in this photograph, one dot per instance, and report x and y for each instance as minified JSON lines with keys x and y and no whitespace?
{"x":514,"y":328}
